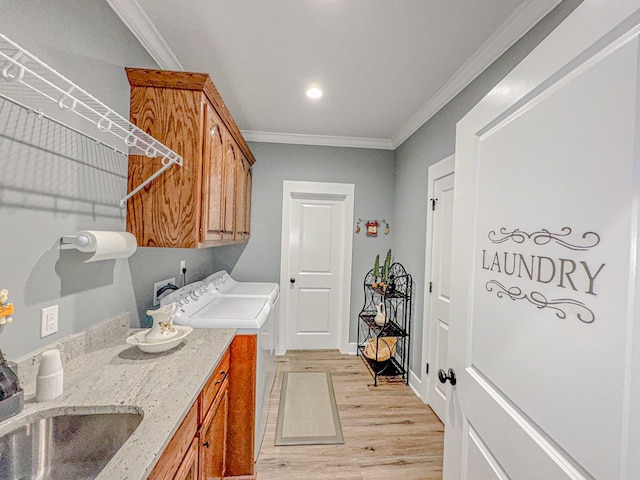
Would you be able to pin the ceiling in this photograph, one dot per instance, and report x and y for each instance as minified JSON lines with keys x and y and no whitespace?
{"x":385,"y":66}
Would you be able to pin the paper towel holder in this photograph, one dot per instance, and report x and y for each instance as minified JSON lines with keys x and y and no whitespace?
{"x":94,"y":241}
{"x":74,"y":241}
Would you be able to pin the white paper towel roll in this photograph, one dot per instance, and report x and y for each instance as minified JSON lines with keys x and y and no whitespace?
{"x":108,"y":245}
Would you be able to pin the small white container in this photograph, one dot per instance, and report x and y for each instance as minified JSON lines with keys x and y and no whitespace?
{"x":49,"y":381}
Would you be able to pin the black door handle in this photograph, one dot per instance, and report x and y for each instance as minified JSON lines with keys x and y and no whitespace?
{"x":450,"y":375}
{"x":292,"y":280}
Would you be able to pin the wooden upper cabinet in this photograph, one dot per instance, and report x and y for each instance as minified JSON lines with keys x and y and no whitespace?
{"x":194,"y":205}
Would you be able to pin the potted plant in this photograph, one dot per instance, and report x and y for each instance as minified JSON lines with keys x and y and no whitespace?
{"x":376,"y":272}
{"x":385,"y":270}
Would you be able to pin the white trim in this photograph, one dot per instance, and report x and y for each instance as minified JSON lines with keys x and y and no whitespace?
{"x":353,"y":348}
{"x":347,"y":191}
{"x":416,"y":386}
{"x":139,"y":23}
{"x":438,"y":170}
{"x":514,"y":28}
{"x":321,"y":140}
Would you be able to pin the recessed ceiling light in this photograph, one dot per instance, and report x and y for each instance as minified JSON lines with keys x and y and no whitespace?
{"x":314,"y":92}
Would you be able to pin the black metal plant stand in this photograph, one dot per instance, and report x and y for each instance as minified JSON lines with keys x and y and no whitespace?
{"x":385,"y":348}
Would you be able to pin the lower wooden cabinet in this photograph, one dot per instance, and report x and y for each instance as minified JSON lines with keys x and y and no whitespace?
{"x":215,"y":439}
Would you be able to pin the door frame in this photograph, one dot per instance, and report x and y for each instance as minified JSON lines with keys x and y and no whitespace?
{"x":339,"y":191}
{"x":438,"y":170}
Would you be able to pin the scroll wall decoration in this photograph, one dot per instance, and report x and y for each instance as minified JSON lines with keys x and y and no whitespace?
{"x":371,"y":227}
{"x":571,"y":274}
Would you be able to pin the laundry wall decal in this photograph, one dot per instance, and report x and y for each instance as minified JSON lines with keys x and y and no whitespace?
{"x":554,"y":271}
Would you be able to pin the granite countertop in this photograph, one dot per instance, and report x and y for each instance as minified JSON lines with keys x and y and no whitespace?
{"x":121,"y":378}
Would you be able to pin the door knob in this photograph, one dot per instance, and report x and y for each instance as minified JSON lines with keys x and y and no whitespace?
{"x":444,"y":376}
{"x":292,"y":280}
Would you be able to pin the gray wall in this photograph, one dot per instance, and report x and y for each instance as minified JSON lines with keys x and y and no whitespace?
{"x":372,"y":172}
{"x":434,"y":141}
{"x":55,"y":183}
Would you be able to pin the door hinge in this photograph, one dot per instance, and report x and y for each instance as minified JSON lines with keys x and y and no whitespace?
{"x":427,"y":369}
{"x":433,"y":203}
{"x":430,"y":287}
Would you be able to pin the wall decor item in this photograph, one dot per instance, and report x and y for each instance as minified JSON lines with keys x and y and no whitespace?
{"x":372,"y":228}
{"x":384,"y":347}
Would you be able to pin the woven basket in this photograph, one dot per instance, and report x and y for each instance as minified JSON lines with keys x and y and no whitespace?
{"x":386,"y":348}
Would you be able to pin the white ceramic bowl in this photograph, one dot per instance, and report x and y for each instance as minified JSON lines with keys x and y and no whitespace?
{"x":138,"y":340}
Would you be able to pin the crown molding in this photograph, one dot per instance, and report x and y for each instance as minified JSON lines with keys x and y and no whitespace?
{"x":137,"y":21}
{"x":321,"y":140}
{"x":520,"y":22}
{"x":514,"y":28}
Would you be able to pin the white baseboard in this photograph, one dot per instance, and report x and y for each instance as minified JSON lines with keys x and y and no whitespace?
{"x":416,"y":385}
{"x":353,"y":348}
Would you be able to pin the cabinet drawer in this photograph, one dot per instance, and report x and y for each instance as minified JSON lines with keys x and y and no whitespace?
{"x":212,"y":387}
{"x":172,"y":457}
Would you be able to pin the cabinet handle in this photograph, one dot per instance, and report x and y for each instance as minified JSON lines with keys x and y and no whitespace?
{"x":206,"y":444}
{"x":223,"y":375}
{"x":214,"y":130}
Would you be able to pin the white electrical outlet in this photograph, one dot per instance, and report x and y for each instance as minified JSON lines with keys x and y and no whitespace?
{"x":48,"y":321}
{"x":183,"y":265}
{"x":158,"y":285}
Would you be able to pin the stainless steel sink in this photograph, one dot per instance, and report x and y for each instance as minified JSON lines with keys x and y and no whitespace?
{"x":64,"y":446}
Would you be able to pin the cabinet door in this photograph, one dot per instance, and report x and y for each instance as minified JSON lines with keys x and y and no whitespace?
{"x":249,"y":185}
{"x":241,"y":198}
{"x":188,"y":469}
{"x":213,"y":156}
{"x":213,"y":438}
{"x":229,"y":188}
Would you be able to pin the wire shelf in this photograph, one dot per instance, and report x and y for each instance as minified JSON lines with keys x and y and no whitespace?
{"x":27,"y":81}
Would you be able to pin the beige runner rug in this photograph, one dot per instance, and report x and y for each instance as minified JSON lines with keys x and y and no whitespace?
{"x":307,"y":414}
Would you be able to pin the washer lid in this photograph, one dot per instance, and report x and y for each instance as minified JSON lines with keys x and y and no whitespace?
{"x":233,"y":307}
{"x":251,"y":289}
{"x":230,"y":312}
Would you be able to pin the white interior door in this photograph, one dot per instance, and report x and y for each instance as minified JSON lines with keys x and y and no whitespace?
{"x":318,"y":250}
{"x":438,"y":281}
{"x":544,"y":319}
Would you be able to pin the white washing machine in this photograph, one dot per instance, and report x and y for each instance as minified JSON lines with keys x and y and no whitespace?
{"x":202,"y":306}
{"x":223,"y":283}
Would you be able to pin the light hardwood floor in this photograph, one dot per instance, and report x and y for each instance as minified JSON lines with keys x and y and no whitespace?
{"x":389,"y":433}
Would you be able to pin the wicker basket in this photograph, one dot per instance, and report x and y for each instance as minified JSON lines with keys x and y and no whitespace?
{"x":386,"y":348}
